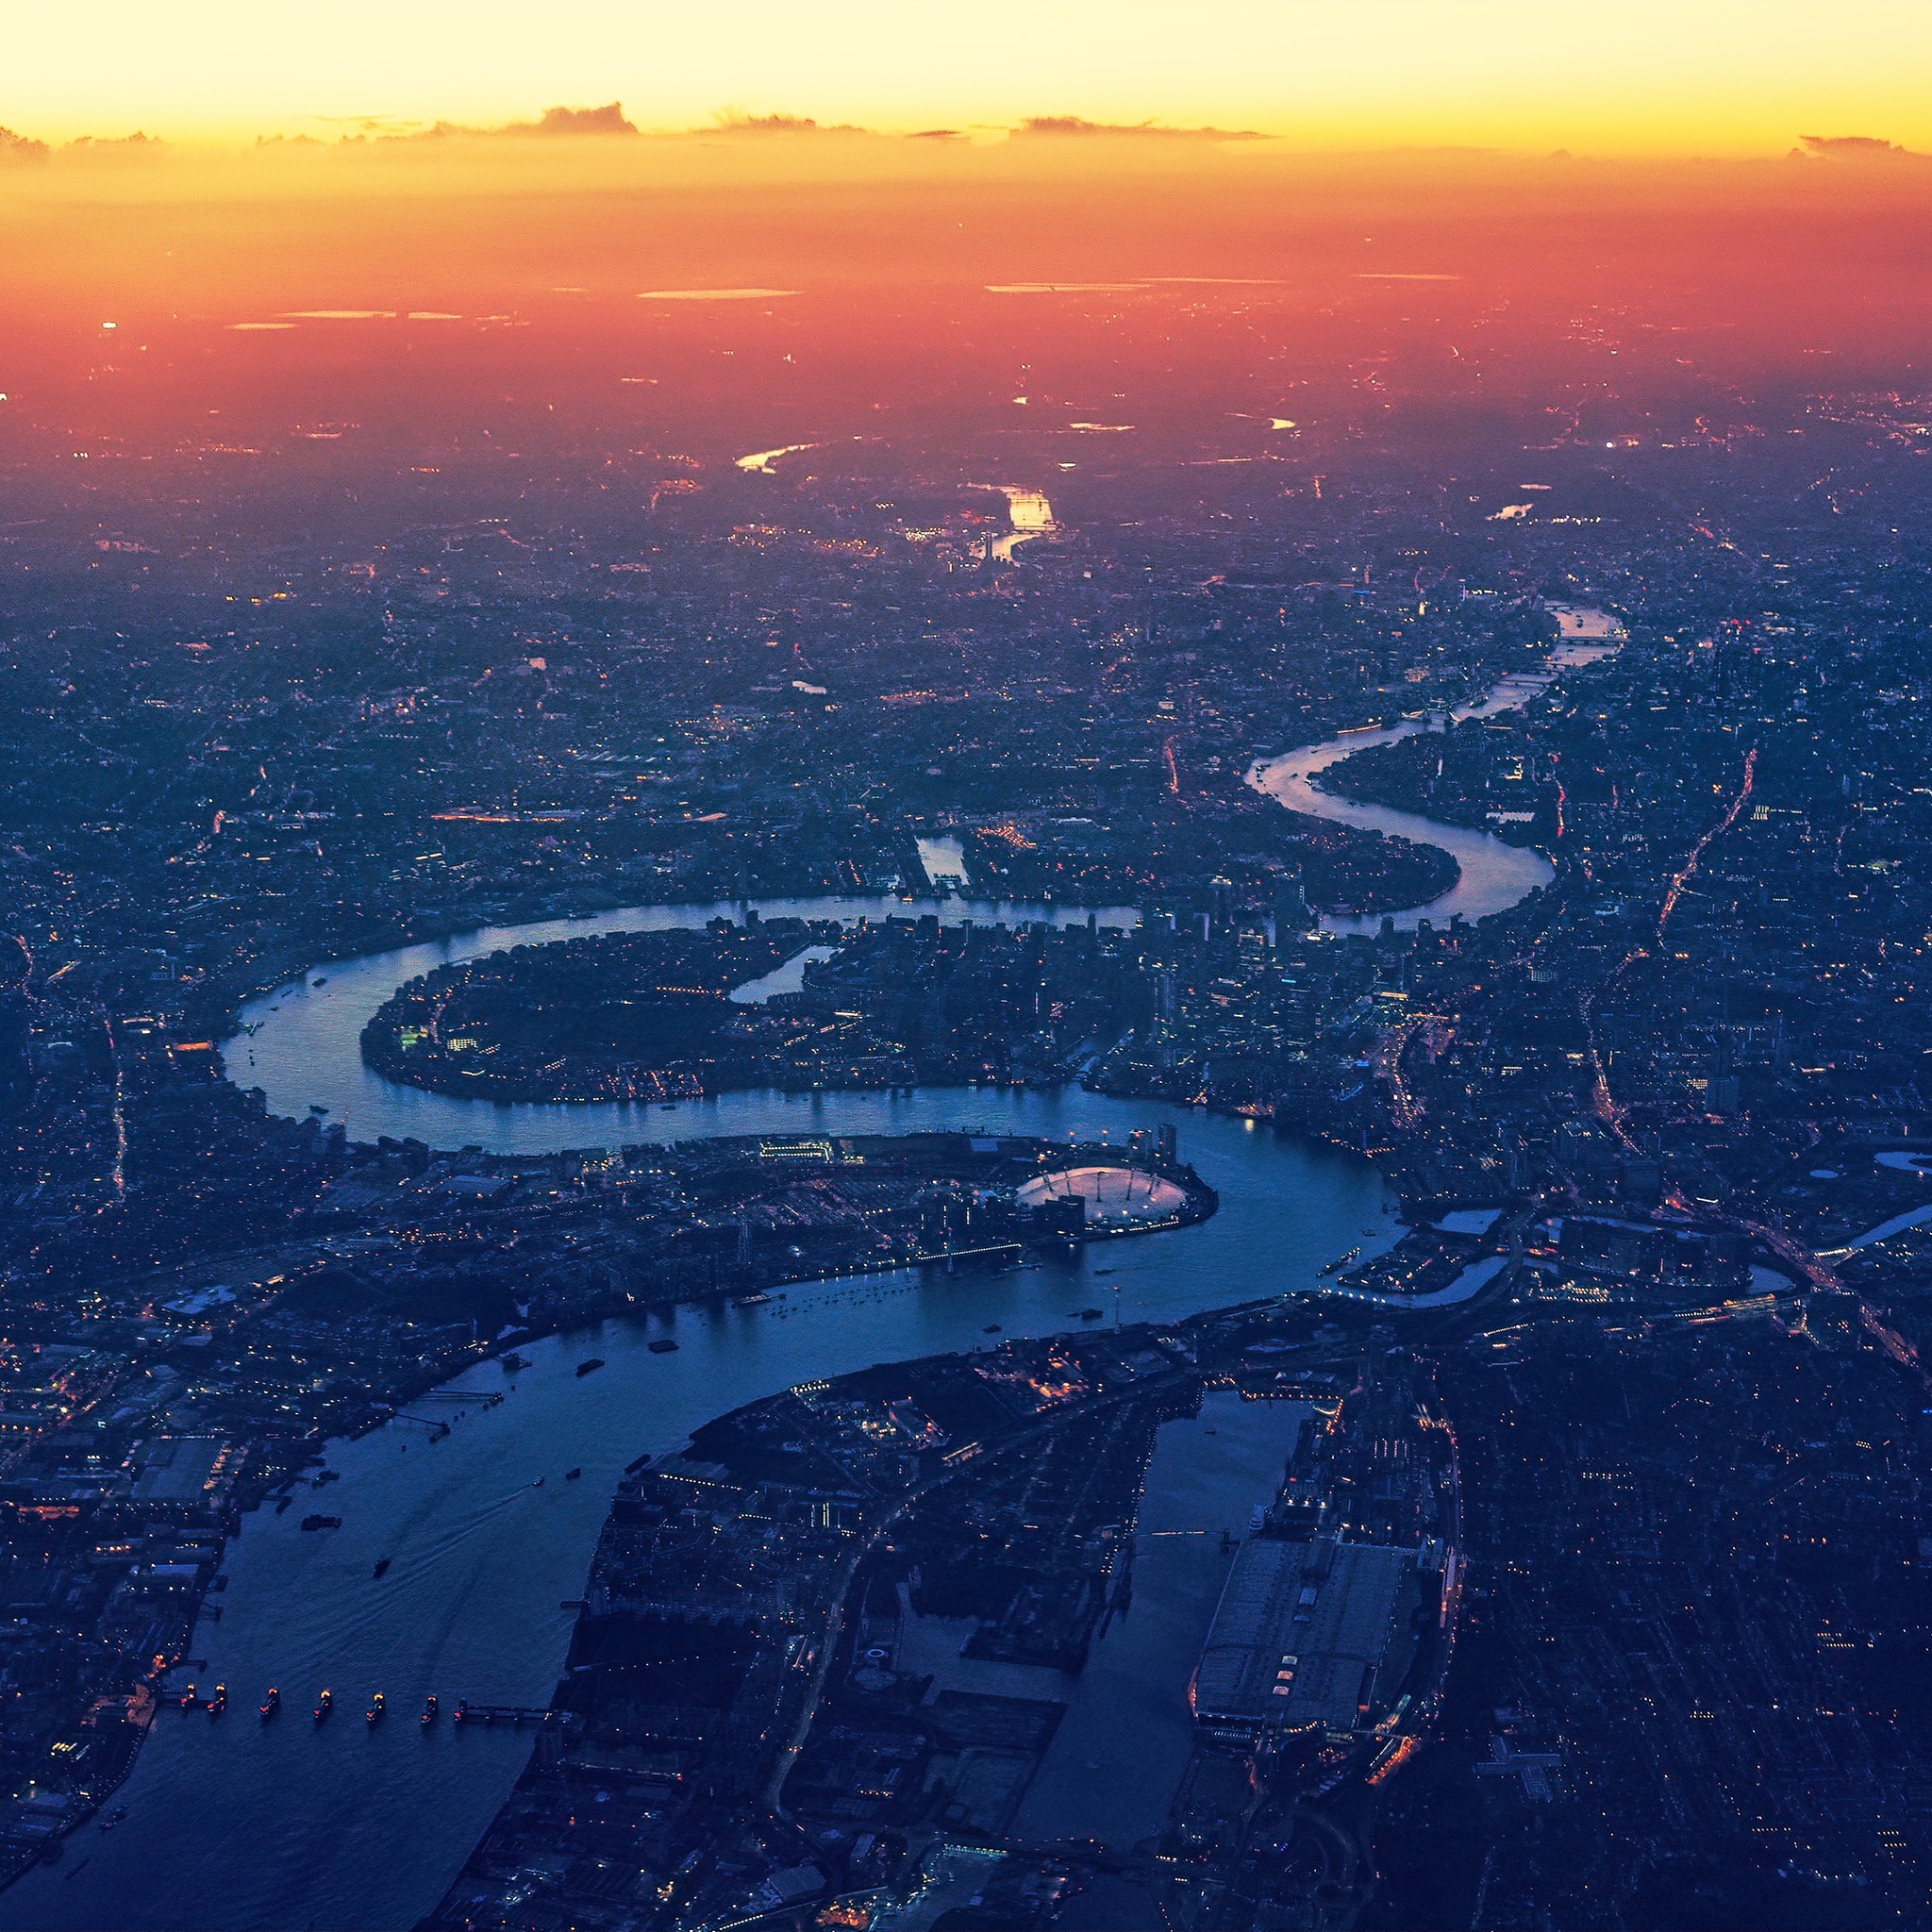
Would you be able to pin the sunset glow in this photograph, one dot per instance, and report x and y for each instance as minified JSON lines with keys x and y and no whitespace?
{"x":1629,"y":77}
{"x":964,"y":963}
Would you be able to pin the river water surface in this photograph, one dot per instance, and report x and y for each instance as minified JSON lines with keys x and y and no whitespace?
{"x":238,"y":1823}
{"x":1495,"y":875}
{"x":244,"y":1825}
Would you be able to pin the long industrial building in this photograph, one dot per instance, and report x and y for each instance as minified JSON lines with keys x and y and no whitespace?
{"x":1307,"y":1634}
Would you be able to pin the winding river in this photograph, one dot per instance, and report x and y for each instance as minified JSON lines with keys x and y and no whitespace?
{"x":1493,"y":873}
{"x":240,"y":1824}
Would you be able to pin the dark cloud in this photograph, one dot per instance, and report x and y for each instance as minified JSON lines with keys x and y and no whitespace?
{"x":1139,"y":130}
{"x":554,"y":121}
{"x":733,"y":122}
{"x":135,"y":143}
{"x":370,"y":124}
{"x":604,"y":120}
{"x":1856,"y":147}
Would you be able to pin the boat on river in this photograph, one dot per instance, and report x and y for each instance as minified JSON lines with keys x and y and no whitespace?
{"x":1286,"y":1208}
{"x":590,"y":1367}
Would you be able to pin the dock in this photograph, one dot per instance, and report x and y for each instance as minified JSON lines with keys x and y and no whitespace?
{"x":468,"y":1712}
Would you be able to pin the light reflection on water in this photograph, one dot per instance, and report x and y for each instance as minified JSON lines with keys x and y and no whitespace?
{"x":244,"y":1825}
{"x":1494,"y":875}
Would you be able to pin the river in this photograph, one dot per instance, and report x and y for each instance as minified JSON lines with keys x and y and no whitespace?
{"x":239,"y":1823}
{"x":244,"y":1825}
{"x":306,"y":1047}
{"x":1031,"y":516}
{"x":1493,"y":875}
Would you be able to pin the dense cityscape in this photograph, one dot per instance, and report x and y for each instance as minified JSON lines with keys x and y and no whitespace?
{"x":1141,"y":1143}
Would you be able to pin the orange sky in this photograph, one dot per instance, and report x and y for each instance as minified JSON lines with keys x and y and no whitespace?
{"x":1600,"y":77}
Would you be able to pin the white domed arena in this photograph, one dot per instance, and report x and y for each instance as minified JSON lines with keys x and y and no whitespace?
{"x":1116,"y":1197}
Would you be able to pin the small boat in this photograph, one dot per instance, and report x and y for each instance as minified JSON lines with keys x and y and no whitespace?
{"x":188,"y":1698}
{"x":322,"y":1523}
{"x":323,"y":1705}
{"x":1090,"y":1314}
{"x":570,"y":1475}
{"x":272,"y":1705}
{"x":428,"y":1716}
{"x":1099,"y":1271}
{"x":381,"y":1567}
{"x":584,"y":1369}
{"x":663,"y":1345}
{"x":373,"y":1715}
{"x":538,"y":1483}
{"x":219,"y":1702}
{"x":751,"y":1301}
{"x":112,"y":1819}
{"x":323,"y":981}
